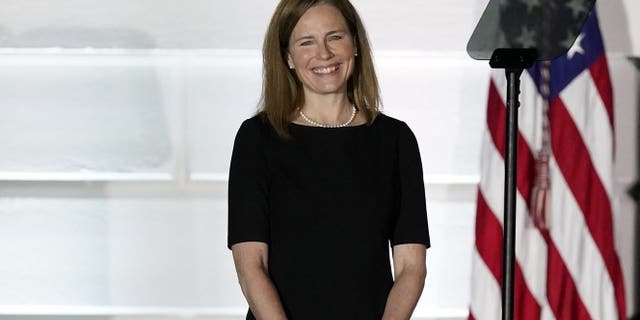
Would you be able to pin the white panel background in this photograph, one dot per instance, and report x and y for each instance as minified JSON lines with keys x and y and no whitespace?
{"x":117,"y":127}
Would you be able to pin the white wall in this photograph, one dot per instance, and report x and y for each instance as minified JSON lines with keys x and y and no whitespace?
{"x":117,"y":124}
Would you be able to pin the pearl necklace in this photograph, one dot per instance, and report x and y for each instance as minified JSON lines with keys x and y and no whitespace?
{"x":317,"y":124}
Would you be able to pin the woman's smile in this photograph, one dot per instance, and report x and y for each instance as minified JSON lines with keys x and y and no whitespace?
{"x":326,"y":70}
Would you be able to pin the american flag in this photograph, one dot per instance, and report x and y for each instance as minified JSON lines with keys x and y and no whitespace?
{"x":566,"y":263}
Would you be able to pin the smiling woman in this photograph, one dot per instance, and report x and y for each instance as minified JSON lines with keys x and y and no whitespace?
{"x":324,"y":35}
{"x":321,"y":183}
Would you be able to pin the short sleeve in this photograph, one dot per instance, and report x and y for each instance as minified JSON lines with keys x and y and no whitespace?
{"x":410,"y":223}
{"x":248,"y":187}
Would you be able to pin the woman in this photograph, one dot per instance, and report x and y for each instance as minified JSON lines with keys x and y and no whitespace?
{"x":321,"y":183}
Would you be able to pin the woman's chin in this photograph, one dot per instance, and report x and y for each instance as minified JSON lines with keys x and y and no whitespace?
{"x":327,"y":88}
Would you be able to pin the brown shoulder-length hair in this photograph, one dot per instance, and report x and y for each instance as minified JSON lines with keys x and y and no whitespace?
{"x":282,"y":92}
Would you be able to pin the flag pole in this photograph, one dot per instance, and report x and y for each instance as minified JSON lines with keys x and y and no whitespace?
{"x":514,"y":61}
{"x":510,"y":170}
{"x":634,"y":192}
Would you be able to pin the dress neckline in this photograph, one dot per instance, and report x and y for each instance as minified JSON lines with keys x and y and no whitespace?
{"x":315,"y":127}
{"x":366,"y":124}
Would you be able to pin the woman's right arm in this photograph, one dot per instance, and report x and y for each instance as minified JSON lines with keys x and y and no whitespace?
{"x":249,"y":230}
{"x":251,"y":261}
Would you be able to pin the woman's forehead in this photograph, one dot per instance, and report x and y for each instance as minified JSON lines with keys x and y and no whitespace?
{"x":320,"y":18}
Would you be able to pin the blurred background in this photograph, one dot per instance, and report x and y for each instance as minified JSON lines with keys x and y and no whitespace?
{"x":117,"y":121}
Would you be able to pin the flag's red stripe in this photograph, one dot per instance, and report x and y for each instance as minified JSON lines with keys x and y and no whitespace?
{"x":496,"y":121}
{"x":489,"y":246}
{"x":489,"y":238}
{"x":575,"y":164}
{"x":561,"y":291}
{"x":526,"y":306}
{"x":496,"y":118}
{"x":600,"y":74}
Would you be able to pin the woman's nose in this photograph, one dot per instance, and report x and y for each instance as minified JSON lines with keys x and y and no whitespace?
{"x":324,"y":51}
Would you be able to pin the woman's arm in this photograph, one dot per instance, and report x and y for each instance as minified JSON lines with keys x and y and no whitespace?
{"x":410,"y":270}
{"x":251,"y":261}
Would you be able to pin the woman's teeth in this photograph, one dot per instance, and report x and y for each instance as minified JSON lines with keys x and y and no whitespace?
{"x":325,"y":70}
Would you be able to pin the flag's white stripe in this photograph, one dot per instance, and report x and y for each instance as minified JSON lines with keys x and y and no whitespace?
{"x":584,"y":104}
{"x":486,"y":303}
{"x":492,"y":176}
{"x":531,"y":113}
{"x":531,"y":249}
{"x":547,"y":313}
{"x":578,"y":250}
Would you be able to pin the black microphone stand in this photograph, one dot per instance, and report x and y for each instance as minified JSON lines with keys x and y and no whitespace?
{"x":634,"y":192}
{"x":514,"y":61}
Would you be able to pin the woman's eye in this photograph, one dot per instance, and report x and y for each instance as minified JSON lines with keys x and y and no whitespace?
{"x":335,"y":37}
{"x":305,"y":43}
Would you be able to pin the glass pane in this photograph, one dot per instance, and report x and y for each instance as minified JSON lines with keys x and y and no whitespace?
{"x":223,"y":91}
{"x":424,"y":91}
{"x":449,"y":259}
{"x":54,"y":251}
{"x":85,"y":113}
{"x":547,"y":25}
{"x":134,"y":24}
{"x":135,"y":251}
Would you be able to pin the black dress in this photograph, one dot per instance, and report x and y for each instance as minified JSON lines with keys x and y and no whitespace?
{"x":328,"y":202}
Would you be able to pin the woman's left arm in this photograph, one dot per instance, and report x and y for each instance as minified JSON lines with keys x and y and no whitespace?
{"x":410,"y":271}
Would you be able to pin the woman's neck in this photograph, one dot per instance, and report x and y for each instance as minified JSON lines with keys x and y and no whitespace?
{"x":331,"y":110}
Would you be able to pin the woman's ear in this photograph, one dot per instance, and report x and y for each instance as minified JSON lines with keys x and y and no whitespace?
{"x":290,"y":61}
{"x":355,"y":45}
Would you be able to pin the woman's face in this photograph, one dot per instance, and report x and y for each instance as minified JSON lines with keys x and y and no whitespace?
{"x":321,"y":49}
